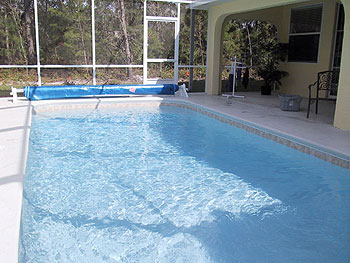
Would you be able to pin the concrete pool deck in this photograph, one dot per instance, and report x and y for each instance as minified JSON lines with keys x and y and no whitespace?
{"x":15,"y":120}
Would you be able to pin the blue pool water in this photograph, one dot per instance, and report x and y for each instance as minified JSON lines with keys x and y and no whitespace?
{"x":171,"y":185}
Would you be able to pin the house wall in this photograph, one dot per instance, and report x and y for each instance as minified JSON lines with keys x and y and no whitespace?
{"x":342,"y":110}
{"x":300,"y":74}
{"x":216,"y":17}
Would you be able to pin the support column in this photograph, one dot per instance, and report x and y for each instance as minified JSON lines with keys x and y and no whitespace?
{"x":177,"y":44}
{"x":145,"y":42}
{"x":191,"y":47}
{"x":214,"y":52}
{"x":93,"y":42}
{"x":342,"y":111}
{"x":36,"y":22}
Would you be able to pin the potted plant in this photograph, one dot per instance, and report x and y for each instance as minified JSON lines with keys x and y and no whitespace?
{"x":270,"y":74}
{"x":268,"y":69}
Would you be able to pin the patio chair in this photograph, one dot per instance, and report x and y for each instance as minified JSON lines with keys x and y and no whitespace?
{"x":326,"y":84}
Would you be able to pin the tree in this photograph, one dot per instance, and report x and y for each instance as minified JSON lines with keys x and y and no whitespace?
{"x":28,"y":30}
{"x":253,"y":42}
{"x":126,"y":35}
{"x":6,"y":52}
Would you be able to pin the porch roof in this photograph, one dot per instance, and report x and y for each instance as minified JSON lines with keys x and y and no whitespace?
{"x":205,"y":4}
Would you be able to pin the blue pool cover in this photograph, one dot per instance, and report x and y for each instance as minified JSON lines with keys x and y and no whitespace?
{"x":79,"y":91}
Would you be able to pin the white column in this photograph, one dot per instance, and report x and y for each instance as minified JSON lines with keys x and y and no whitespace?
{"x":177,"y":36}
{"x":190,"y":82}
{"x":145,"y":42}
{"x":37,"y":41}
{"x":93,"y":42}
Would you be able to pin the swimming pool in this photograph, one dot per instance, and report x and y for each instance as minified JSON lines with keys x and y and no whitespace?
{"x":172,"y":185}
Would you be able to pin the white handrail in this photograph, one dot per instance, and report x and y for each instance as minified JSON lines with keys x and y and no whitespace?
{"x":161,"y":18}
{"x":192,"y":66}
{"x":176,"y":1}
{"x":71,"y":66}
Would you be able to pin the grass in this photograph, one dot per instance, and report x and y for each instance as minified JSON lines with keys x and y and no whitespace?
{"x":5,"y":93}
{"x":198,"y":86}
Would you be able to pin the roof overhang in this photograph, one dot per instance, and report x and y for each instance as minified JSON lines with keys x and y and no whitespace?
{"x":197,"y":4}
{"x":205,"y":4}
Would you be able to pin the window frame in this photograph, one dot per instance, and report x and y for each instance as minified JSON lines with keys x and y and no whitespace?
{"x":307,"y":33}
{"x":336,"y":31}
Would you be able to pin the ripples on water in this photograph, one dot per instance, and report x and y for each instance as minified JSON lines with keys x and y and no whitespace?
{"x":171,"y":185}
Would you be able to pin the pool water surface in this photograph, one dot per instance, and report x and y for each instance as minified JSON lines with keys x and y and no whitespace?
{"x":172,"y":185}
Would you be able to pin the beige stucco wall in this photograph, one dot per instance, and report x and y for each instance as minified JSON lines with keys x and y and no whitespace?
{"x":342,"y":112}
{"x":300,"y":74}
{"x":216,"y":17}
{"x":273,"y":15}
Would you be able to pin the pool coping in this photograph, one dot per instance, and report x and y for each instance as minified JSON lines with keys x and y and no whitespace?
{"x":296,"y":143}
{"x":328,"y":155}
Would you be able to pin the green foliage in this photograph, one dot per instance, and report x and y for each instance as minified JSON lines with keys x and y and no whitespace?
{"x":65,"y":34}
{"x":268,"y":68}
{"x":110,"y":42}
{"x":233,"y":45}
{"x":252,"y":42}
{"x":65,"y":37}
{"x":200,"y":37}
{"x":271,"y":74}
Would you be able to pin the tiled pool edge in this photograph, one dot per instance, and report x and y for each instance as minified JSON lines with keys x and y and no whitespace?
{"x":328,"y":155}
{"x":289,"y":141}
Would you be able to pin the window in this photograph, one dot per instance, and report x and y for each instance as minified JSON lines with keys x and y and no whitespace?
{"x":304,"y":34}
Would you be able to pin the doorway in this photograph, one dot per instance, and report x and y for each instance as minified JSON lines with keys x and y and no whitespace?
{"x":337,"y":50}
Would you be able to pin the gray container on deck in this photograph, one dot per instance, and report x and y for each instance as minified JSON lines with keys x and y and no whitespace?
{"x":290,"y":102}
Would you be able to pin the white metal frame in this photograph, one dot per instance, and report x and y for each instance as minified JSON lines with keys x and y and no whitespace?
{"x":93,"y":42}
{"x":146,"y":59}
{"x":94,"y":66}
{"x":36,"y":21}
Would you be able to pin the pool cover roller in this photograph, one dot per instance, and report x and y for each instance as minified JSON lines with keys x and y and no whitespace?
{"x":79,"y":91}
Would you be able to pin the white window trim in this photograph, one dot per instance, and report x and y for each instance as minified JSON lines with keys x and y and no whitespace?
{"x":336,"y":31}
{"x":307,"y":34}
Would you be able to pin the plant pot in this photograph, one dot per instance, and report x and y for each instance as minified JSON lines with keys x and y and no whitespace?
{"x":265,"y":90}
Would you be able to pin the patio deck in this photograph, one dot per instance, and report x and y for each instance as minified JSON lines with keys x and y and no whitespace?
{"x":259,"y":110}
{"x":264,"y":111}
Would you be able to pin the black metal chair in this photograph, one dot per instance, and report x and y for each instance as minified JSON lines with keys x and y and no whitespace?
{"x":326,"y":84}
